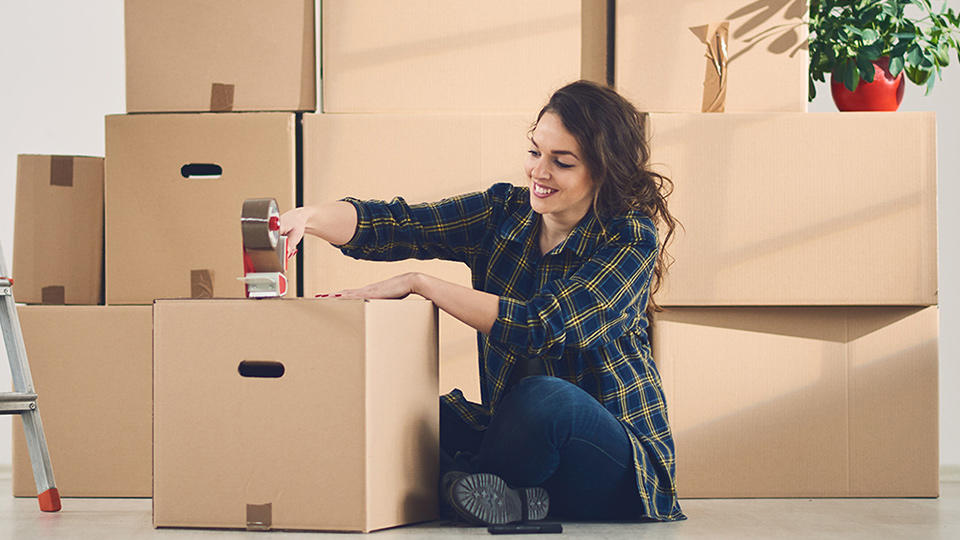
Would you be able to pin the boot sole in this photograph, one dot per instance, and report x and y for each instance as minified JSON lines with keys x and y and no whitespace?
{"x":485,"y":499}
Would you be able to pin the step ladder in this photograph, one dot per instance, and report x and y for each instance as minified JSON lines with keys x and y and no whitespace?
{"x":23,"y":400}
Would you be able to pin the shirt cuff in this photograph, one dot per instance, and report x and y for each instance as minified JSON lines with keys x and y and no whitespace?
{"x":363,"y":227}
{"x":510,"y":326}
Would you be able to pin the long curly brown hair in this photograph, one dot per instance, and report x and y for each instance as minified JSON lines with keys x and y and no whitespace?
{"x":612,"y":136}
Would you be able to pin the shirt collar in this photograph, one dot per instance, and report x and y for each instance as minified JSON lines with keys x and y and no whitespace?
{"x":582,"y":240}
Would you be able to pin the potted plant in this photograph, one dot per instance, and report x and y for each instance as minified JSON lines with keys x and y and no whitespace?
{"x":868,"y":45}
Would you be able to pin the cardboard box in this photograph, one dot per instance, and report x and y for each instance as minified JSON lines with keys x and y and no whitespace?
{"x":173,"y":224}
{"x":344,"y":439}
{"x":800,"y":209}
{"x":458,"y":56}
{"x":58,"y":230}
{"x":91,"y":367}
{"x":802,"y":402}
{"x":422,"y":158}
{"x":661,"y":59}
{"x":189,"y":55}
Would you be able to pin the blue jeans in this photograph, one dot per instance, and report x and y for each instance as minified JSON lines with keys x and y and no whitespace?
{"x":548,"y":432}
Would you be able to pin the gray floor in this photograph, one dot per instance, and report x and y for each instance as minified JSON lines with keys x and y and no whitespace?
{"x":105,"y":519}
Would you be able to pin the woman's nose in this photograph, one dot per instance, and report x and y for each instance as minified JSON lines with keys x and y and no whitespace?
{"x":538,"y":170}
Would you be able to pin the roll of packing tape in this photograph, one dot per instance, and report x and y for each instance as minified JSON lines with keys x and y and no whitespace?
{"x":260,"y":224}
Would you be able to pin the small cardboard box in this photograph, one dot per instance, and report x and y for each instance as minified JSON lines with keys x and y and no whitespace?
{"x":800,"y":209}
{"x":91,"y":367}
{"x":458,"y":56}
{"x":661,"y":61}
{"x":295,"y":413}
{"x":426,"y":157}
{"x":58,"y":230}
{"x":175,"y":185}
{"x":802,"y":402}
{"x":208,"y":55}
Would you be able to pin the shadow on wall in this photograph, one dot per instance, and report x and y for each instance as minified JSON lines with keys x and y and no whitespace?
{"x":780,"y":38}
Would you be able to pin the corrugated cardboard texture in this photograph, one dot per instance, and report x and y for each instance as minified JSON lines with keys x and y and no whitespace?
{"x":402,"y":450}
{"x":423,"y":158}
{"x":800,"y":209}
{"x":455,"y":56}
{"x":802,"y":402}
{"x":91,"y":366}
{"x":264,"y":51}
{"x":161,"y":226}
{"x":303,"y":442}
{"x":58,"y":230}
{"x":659,"y":56}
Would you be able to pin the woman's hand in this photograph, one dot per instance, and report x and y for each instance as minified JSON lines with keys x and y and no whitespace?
{"x":293,"y":224}
{"x":396,"y":287}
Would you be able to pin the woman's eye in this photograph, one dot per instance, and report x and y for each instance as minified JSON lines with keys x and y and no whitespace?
{"x":533,"y":153}
{"x":562,"y":164}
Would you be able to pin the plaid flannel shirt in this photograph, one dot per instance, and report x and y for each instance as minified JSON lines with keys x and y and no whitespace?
{"x":580,"y":308}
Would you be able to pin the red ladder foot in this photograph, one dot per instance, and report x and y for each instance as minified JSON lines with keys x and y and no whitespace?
{"x":50,"y":500}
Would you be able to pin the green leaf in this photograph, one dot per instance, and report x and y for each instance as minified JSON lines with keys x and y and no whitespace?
{"x":914,"y":55}
{"x":811,"y":91}
{"x":916,"y":75}
{"x":851,"y":75}
{"x":853,"y":31}
{"x":870,"y":35}
{"x":865,"y":67}
{"x":930,"y":82}
{"x":871,"y":52}
{"x":900,"y":48}
{"x":896,"y":65}
{"x":942,"y":54}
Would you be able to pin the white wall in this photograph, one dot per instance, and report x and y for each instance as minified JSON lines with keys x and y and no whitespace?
{"x":61,"y":63}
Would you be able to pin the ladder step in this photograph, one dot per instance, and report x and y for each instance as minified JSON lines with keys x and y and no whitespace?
{"x":17,"y":402}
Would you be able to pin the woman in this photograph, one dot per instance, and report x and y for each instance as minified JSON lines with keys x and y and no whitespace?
{"x":563,"y":272}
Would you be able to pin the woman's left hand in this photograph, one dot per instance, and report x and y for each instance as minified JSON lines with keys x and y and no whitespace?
{"x":396,"y":287}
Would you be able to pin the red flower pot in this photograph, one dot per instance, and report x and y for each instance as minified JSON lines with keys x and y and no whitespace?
{"x":883,"y":94}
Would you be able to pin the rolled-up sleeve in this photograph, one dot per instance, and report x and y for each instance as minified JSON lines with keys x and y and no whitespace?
{"x":591,"y":307}
{"x":450,"y":229}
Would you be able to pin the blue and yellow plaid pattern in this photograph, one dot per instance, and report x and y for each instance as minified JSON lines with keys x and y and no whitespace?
{"x":580,"y":308}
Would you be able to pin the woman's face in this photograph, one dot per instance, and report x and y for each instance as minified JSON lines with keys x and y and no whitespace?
{"x":560,"y":185}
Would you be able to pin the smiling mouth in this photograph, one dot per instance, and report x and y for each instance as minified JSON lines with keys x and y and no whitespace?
{"x":542,"y":191}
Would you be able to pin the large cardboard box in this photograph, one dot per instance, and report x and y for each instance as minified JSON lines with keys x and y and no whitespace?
{"x":91,"y":367}
{"x":800,"y":209}
{"x":210,"y":55}
{"x":175,"y":185}
{"x":802,"y":402}
{"x":458,"y":55}
{"x":421,"y":157}
{"x":295,"y":413}
{"x":58,"y":230}
{"x":661,"y":61}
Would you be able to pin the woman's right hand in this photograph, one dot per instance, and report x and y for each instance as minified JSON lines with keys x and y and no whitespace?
{"x":293,"y":224}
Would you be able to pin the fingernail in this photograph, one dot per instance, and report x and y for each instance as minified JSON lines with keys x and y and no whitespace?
{"x":321,"y":296}
{"x":337,"y":295}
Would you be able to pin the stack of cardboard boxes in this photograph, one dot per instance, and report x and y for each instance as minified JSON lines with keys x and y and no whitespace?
{"x":798,"y":353}
{"x":302,"y":414}
{"x":90,"y":363}
{"x":798,"y":350}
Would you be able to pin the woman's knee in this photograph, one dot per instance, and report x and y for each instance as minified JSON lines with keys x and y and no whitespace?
{"x":539,"y":398}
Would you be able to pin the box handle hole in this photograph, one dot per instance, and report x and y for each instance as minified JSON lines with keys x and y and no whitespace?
{"x":261,"y":369}
{"x":201,"y":171}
